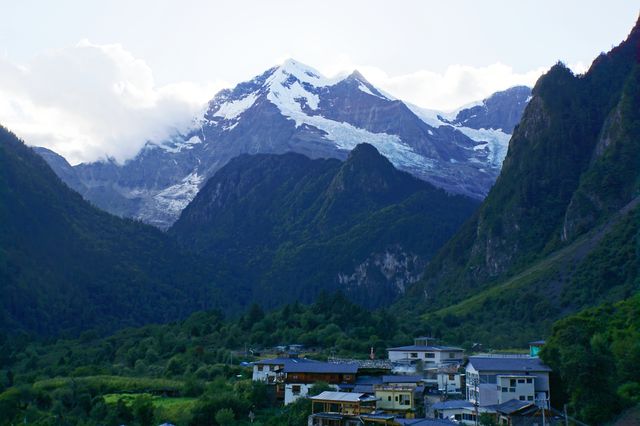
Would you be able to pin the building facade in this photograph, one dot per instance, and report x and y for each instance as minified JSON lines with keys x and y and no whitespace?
{"x":495,"y":379}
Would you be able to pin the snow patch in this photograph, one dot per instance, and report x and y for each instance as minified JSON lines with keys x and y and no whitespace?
{"x":177,"y":145}
{"x":230,"y":110}
{"x":497,"y":141}
{"x":176,"y":197}
{"x":363,"y":87}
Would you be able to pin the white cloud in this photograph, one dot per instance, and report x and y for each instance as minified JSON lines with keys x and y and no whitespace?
{"x":91,"y":101}
{"x":456,"y":86}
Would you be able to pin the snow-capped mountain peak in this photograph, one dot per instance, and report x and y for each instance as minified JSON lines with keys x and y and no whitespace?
{"x":292,"y":69}
{"x":293,"y":107}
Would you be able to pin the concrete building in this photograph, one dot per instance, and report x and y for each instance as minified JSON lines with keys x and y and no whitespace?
{"x":430,"y":355}
{"x":495,"y":379}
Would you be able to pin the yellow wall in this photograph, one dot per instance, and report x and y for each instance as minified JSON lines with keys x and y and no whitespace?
{"x":385,"y":404}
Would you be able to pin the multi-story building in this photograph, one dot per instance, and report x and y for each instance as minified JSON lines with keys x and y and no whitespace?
{"x":430,"y":355}
{"x":495,"y":379}
{"x":293,"y":377}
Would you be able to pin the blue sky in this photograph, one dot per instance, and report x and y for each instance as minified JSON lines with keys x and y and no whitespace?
{"x":150,"y":65}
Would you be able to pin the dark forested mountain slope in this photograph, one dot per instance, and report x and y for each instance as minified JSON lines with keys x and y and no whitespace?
{"x":295,"y":226}
{"x":573,"y":161}
{"x":67,"y":266}
{"x":606,"y":342}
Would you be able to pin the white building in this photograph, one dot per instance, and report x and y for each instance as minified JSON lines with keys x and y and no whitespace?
{"x":430,"y":355}
{"x":293,"y":377}
{"x":496,"y":379}
{"x":449,"y":382}
{"x":273,"y":370}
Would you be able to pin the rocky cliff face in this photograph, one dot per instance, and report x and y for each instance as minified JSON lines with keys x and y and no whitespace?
{"x":292,"y":108}
{"x":573,"y":161}
{"x":293,"y":226}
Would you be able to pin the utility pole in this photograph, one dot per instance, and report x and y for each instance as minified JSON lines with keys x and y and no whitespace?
{"x":544,"y":409}
{"x":566,"y":418}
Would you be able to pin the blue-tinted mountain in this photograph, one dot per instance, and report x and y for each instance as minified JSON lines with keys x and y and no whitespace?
{"x":297,"y":226}
{"x":560,"y":230}
{"x":66,"y":266}
{"x":293,"y":108}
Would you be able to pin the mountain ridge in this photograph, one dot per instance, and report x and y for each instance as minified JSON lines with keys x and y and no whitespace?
{"x":292,"y":107}
{"x":573,"y":166}
{"x":66,"y":266}
{"x":298,"y":225}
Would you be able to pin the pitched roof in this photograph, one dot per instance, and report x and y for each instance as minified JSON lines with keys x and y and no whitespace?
{"x":401,"y":379}
{"x":507,"y":363}
{"x":511,"y":406}
{"x":435,"y":348}
{"x":343,"y":397}
{"x":286,"y":361}
{"x":424,"y":422}
{"x":322,"y":367}
{"x":452,"y":404}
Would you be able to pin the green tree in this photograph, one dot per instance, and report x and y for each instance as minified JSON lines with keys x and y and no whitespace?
{"x":225,"y":417}
{"x":143,"y":410}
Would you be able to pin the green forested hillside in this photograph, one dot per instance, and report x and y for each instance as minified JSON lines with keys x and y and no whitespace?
{"x":554,"y":234}
{"x":66,"y":266}
{"x":120,"y":379}
{"x":601,"y":266}
{"x":295,"y":226}
{"x":596,"y":353}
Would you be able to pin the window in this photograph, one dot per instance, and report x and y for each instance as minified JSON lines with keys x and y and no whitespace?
{"x":429,"y":355}
{"x":512,"y":382}
{"x":295,"y":389}
{"x":522,"y":398}
{"x":512,"y":389}
{"x":388,"y":398}
{"x":260,"y":367}
{"x":529,"y":380}
{"x":414,"y":355}
{"x":520,"y":380}
{"x":505,"y":389}
{"x":405,"y":400}
{"x":530,"y":398}
{"x":452,"y":354}
{"x":452,"y":376}
{"x":396,"y":397}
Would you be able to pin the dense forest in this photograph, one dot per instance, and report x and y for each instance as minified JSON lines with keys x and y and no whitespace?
{"x":595,"y":354}
{"x":553,"y":252}
{"x":120,"y":378}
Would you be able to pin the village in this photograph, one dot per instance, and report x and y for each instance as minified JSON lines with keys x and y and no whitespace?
{"x":419,"y":385}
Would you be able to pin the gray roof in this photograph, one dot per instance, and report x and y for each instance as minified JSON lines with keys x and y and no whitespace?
{"x":401,"y":379}
{"x":344,"y":397}
{"x":435,"y":348}
{"x":511,"y":406}
{"x":287,"y":363}
{"x":452,"y":404}
{"x":508,"y":364}
{"x":321,"y":367}
{"x":424,"y":422}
